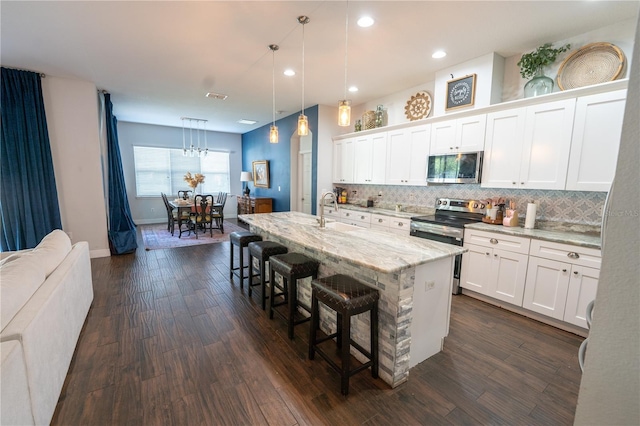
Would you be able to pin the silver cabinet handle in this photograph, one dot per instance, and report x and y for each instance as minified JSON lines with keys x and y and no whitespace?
{"x":400,"y":224}
{"x":487,"y":253}
{"x":493,"y":241}
{"x":573,"y":255}
{"x":379,"y":220}
{"x":347,"y":214}
{"x":362,"y":217}
{"x":575,"y":273}
{"x":564,"y":270}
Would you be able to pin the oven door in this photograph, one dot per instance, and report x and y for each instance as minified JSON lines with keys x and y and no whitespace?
{"x":457,"y":241}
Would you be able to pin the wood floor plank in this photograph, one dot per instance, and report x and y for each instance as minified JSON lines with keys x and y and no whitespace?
{"x":165,"y":343}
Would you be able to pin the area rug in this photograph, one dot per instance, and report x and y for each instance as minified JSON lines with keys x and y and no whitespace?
{"x":156,"y":236}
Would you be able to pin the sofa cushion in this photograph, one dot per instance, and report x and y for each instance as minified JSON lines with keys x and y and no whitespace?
{"x":52,"y":250}
{"x":19,"y":280}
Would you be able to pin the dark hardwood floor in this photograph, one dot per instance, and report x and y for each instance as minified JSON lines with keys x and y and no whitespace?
{"x":169,"y":340}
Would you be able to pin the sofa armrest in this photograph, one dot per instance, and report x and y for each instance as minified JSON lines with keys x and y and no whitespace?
{"x":14,"y":386}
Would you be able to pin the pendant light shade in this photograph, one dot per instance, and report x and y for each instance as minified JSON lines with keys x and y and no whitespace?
{"x":273,"y":131}
{"x":303,"y":122}
{"x":344,"y":106}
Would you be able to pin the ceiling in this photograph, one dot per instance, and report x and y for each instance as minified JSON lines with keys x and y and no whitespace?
{"x":158,"y":59}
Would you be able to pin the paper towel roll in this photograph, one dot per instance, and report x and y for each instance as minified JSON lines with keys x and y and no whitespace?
{"x":530,"y":220}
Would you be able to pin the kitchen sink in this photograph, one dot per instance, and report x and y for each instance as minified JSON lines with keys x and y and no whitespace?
{"x":343,"y":227}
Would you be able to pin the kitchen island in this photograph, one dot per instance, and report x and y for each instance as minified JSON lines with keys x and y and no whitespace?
{"x":413,"y":275}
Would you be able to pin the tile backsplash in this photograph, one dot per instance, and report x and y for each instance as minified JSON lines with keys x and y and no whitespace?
{"x":576,"y":207}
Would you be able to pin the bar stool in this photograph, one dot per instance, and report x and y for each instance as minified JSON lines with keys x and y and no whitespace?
{"x":242,"y":240}
{"x":347,"y":297}
{"x":263,"y":250}
{"x":292,"y":267}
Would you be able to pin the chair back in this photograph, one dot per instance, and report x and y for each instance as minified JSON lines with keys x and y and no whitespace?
{"x":166,"y":202}
{"x":202,"y":205}
{"x":222,"y":198}
{"x":184,"y":194}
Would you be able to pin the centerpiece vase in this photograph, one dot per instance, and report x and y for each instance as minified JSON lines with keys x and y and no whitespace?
{"x":540,"y":84}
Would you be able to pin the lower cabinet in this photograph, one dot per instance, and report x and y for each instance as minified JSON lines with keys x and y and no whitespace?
{"x":496,"y":266}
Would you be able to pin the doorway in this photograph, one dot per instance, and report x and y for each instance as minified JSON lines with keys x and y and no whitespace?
{"x":301,"y":173}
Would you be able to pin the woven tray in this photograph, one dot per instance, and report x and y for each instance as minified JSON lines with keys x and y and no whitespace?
{"x":592,"y":64}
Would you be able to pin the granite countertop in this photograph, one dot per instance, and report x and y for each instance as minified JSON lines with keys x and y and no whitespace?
{"x":377,"y":250}
{"x":567,"y":234}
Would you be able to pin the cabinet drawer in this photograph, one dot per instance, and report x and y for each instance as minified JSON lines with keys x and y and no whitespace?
{"x":400,"y":225}
{"x":331,"y":211}
{"x":494,"y":240}
{"x":575,"y":255}
{"x":380,"y":220}
{"x":352,"y":215}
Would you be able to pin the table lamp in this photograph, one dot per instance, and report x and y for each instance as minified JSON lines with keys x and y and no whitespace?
{"x":246,"y":177}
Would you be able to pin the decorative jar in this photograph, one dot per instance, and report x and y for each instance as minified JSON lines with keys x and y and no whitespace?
{"x":540,"y":84}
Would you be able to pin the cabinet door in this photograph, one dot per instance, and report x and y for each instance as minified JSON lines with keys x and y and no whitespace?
{"x":378,"y":158}
{"x":547,"y":142}
{"x":583,"y":286}
{"x":419,"y":137}
{"x":503,"y":149}
{"x":362,"y":158}
{"x":508,"y":275}
{"x":338,"y":148}
{"x":347,"y":161}
{"x":443,"y":137}
{"x":596,"y":138}
{"x":407,"y":154}
{"x":476,"y":267}
{"x":546,"y":287}
{"x":470,"y":133}
{"x":397,"y":157}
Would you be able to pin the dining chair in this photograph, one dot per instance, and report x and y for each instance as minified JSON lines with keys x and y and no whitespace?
{"x":172,"y":215}
{"x":217,"y":212}
{"x":202,"y":215}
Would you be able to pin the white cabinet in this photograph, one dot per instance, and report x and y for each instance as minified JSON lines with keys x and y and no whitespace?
{"x":353,"y":217}
{"x":397,"y":225}
{"x":407,"y":154}
{"x":343,"y":152}
{"x":495,"y":265}
{"x":561,"y":280}
{"x":596,"y":137}
{"x":370,"y":158}
{"x":529,"y":147}
{"x":460,"y":135}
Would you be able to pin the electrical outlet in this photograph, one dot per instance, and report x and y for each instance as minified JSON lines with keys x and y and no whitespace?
{"x":429,"y":285}
{"x":412,"y":196}
{"x":152,"y":210}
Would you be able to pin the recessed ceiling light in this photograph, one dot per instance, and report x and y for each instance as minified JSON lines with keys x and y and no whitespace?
{"x":365,"y":21}
{"x":245,"y":121}
{"x":216,"y":96}
{"x":353,"y":89}
{"x":439,"y":54}
{"x":289,"y":72}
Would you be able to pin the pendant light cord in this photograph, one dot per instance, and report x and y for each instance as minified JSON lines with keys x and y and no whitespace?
{"x":273,"y":84}
{"x":303,"y":24}
{"x":346,"y":50}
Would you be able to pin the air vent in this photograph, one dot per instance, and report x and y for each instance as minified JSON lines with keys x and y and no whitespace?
{"x":216,"y":96}
{"x":245,"y":121}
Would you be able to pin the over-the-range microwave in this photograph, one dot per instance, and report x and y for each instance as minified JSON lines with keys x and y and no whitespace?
{"x":455,"y":168}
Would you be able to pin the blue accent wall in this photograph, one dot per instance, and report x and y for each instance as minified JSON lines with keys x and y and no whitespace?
{"x":256,"y":146}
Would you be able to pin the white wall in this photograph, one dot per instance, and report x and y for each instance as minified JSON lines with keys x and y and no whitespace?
{"x":71,"y":107}
{"x":151,"y":209}
{"x":610,"y":387}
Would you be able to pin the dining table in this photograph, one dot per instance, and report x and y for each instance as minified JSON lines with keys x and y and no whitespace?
{"x":185,"y":207}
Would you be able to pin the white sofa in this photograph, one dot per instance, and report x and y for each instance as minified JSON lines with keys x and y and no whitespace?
{"x":45,"y":295}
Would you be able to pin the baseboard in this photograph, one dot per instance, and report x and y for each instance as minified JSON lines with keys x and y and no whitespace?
{"x":149,"y":221}
{"x":99,"y":253}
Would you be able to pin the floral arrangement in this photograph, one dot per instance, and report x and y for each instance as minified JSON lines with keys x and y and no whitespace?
{"x":193,"y":181}
{"x":544,"y":55}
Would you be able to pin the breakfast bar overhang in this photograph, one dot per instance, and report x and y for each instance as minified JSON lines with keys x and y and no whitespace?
{"x":413,"y":275}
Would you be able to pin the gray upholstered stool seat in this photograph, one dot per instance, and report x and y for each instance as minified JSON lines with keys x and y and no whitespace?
{"x":263,"y":250}
{"x":347,"y":297}
{"x":242,"y":240}
{"x":292,"y":267}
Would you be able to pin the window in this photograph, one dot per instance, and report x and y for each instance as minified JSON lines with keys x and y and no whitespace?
{"x":163,"y":169}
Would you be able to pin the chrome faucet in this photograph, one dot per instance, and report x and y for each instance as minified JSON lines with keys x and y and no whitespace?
{"x":335,"y":201}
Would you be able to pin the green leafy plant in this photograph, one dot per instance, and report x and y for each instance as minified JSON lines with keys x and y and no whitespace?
{"x":541,"y":57}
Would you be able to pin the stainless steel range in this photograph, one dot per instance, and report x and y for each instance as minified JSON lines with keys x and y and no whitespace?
{"x":447,"y":226}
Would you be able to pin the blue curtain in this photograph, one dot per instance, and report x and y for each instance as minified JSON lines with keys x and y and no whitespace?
{"x":29,"y":207}
{"x":122,"y":230}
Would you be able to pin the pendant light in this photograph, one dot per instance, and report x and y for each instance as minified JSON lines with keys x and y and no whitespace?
{"x":344,"y":106}
{"x":303,"y":122}
{"x":192,"y":151}
{"x":273,"y":132}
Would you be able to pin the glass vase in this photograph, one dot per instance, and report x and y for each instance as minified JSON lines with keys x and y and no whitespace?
{"x":540,"y":84}
{"x":379,"y":116}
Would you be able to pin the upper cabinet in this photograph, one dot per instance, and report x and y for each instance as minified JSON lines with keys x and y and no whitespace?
{"x":596,"y":138}
{"x":529,"y":147}
{"x":464,"y":134}
{"x":407,"y":154}
{"x":370,"y":158}
{"x":343,"y":154}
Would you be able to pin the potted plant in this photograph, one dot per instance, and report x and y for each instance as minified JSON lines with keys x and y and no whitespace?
{"x":532,"y":64}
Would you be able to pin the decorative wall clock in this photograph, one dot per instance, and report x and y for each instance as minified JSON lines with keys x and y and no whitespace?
{"x":418,"y":106}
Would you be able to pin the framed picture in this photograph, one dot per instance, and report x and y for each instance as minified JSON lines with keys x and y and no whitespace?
{"x":461,"y":92}
{"x":261,"y":174}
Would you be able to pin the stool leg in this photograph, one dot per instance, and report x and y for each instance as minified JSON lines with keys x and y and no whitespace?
{"x":292,"y":303}
{"x":250,"y":272}
{"x":374,"y":341}
{"x":313,"y":328}
{"x":272,"y":291}
{"x":263,"y":283}
{"x":231,"y":261}
{"x":345,"y":352}
{"x":339,"y":330}
{"x":241,"y":267}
